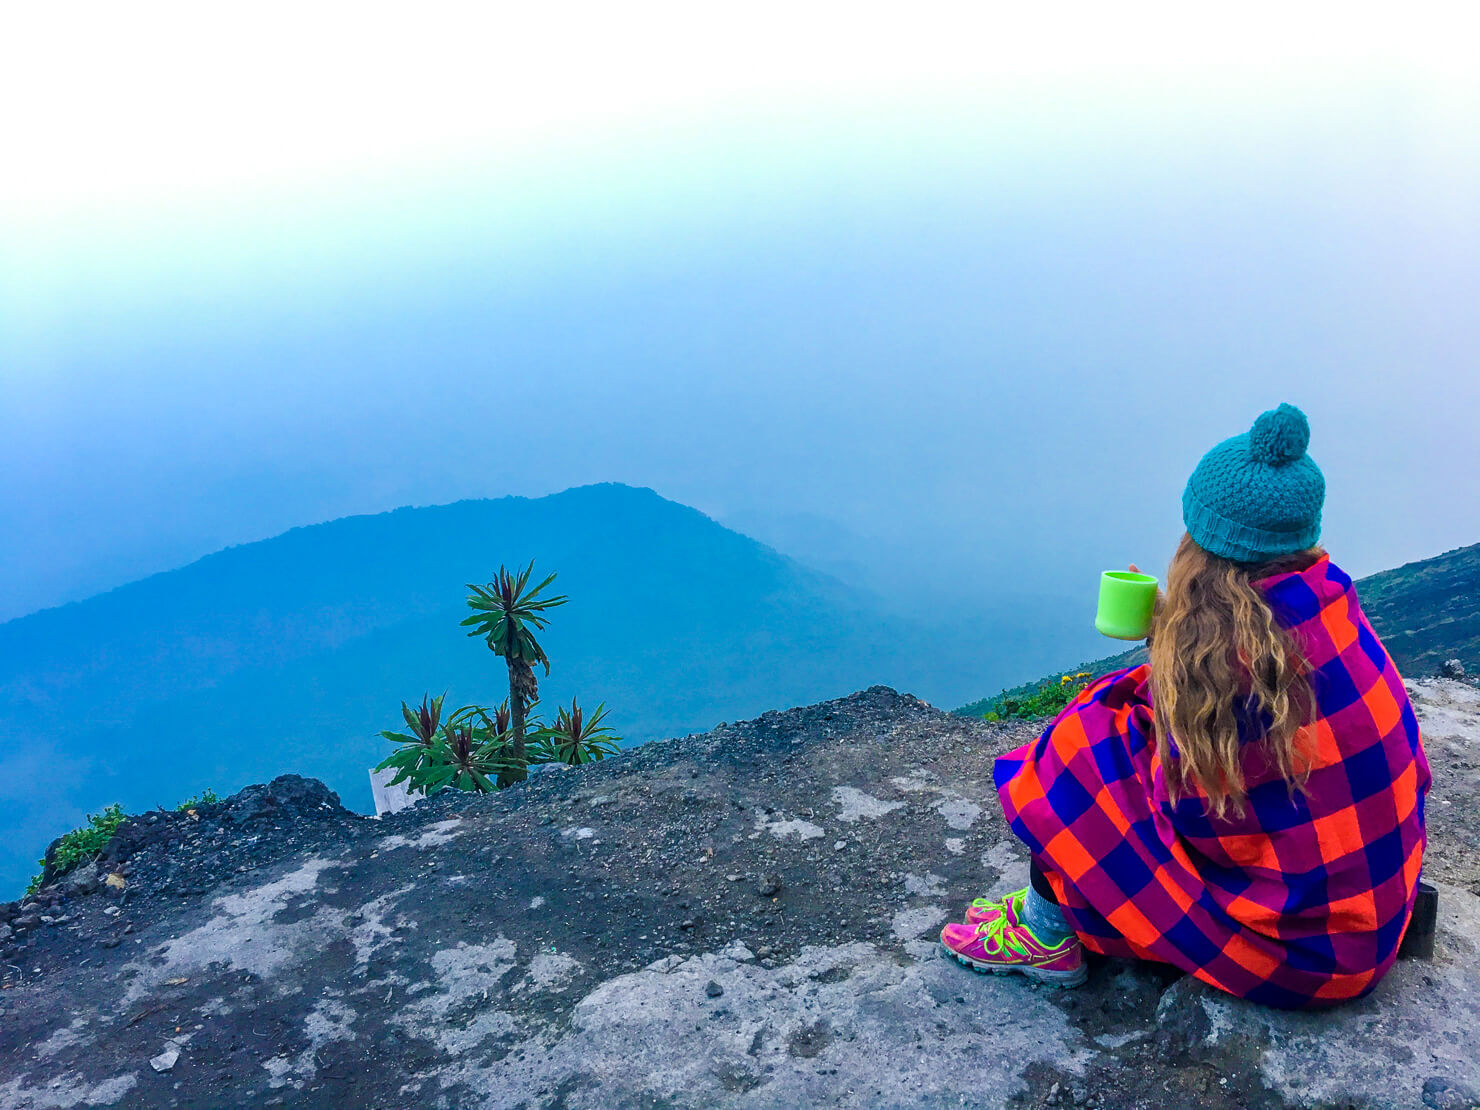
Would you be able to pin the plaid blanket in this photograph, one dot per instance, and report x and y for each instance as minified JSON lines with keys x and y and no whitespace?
{"x":1300,"y":905}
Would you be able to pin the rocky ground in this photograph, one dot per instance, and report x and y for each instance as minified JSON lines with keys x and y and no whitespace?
{"x":740,"y":918}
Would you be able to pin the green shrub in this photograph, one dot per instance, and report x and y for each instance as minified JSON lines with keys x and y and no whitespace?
{"x":204,"y":798}
{"x":1046,"y":701}
{"x":82,"y":844}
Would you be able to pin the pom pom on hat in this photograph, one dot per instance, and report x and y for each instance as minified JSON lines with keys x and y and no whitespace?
{"x":1279,"y":436}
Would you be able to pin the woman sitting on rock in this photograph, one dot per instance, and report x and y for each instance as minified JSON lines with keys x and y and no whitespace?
{"x":1249,"y":805}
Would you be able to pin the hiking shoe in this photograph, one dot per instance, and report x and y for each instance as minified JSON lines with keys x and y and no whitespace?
{"x":983,"y":910}
{"x":1002,"y":945}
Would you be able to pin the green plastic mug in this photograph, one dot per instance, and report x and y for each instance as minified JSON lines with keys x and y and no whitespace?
{"x":1127,"y":600}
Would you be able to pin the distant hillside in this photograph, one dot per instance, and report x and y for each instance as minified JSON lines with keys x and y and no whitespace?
{"x":1095,"y":667}
{"x":291,"y":654}
{"x":1426,"y":612}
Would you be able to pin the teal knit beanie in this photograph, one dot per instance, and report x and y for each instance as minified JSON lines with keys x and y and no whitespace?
{"x":1257,"y":495}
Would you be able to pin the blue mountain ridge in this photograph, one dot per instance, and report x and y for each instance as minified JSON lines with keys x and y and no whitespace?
{"x":290,"y":654}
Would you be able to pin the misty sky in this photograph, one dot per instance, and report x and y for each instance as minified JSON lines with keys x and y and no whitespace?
{"x":975,"y":294}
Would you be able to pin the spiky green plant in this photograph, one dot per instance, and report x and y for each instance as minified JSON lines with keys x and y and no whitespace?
{"x":467,"y":757}
{"x":470,"y":750}
{"x":574,"y":738}
{"x":506,"y":615}
{"x":496,"y":730}
{"x":411,"y":756}
{"x":424,"y":721}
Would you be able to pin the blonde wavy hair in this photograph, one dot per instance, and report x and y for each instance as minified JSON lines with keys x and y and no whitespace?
{"x":1215,"y":644}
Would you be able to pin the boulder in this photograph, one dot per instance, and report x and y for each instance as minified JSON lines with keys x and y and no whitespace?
{"x":286,"y":795}
{"x":1416,"y":1030}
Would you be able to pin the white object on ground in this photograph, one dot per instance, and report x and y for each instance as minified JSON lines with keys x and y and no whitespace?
{"x":388,"y":798}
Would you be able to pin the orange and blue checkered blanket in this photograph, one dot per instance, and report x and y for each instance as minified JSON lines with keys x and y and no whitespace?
{"x":1300,"y":905}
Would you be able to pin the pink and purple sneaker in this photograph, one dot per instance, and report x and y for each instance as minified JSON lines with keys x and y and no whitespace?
{"x":1003,"y":945}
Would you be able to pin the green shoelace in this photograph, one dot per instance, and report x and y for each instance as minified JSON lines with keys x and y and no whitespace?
{"x":996,"y":937}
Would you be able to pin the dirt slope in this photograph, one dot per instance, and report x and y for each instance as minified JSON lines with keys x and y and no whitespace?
{"x":740,"y":918}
